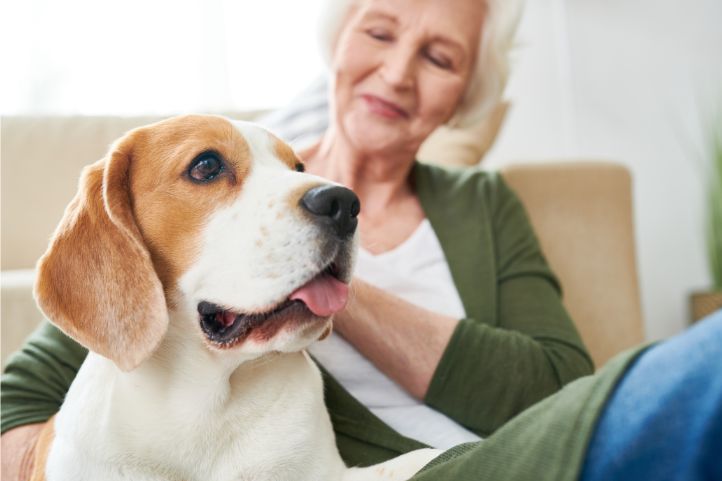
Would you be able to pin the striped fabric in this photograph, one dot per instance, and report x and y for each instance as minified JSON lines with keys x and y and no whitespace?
{"x":304,"y":119}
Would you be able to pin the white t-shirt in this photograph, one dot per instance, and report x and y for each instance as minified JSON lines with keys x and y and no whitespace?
{"x":417,"y":272}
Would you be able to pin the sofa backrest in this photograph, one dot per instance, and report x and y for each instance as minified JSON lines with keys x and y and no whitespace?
{"x":582,"y":214}
{"x":41,"y":162}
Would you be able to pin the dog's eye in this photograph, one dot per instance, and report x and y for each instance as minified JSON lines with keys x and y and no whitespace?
{"x":300,"y":167}
{"x":206,"y":167}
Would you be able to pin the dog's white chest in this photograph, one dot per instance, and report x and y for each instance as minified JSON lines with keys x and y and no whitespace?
{"x":269,"y":422}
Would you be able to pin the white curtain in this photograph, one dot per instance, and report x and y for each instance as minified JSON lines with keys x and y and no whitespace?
{"x":154,"y":56}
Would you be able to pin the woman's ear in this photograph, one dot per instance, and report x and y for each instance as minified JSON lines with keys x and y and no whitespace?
{"x":96,"y":281}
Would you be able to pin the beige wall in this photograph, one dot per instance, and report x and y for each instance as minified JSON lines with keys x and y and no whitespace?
{"x":633,"y":81}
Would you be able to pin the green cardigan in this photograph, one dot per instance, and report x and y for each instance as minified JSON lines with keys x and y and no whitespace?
{"x":516,"y":347}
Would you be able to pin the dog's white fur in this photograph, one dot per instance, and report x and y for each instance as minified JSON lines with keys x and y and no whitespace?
{"x":194,"y":411}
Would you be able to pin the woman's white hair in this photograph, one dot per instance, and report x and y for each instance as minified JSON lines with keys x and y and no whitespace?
{"x":491,"y":69}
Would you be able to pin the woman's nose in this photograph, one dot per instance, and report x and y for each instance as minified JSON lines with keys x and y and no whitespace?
{"x":398,"y":69}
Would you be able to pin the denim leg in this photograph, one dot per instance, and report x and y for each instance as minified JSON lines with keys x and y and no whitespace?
{"x":664,"y":419}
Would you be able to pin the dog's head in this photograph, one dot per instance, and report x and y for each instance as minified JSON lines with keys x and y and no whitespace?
{"x":209,"y":218}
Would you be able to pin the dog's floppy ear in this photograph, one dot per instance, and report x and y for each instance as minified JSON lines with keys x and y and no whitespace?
{"x":96,"y":281}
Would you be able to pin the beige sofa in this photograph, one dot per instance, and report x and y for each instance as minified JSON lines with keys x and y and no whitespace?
{"x":581,"y":210}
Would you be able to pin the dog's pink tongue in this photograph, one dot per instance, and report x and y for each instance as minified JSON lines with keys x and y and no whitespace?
{"x":324,"y":295}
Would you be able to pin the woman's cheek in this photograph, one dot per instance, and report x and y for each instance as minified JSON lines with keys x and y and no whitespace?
{"x":443,"y":100}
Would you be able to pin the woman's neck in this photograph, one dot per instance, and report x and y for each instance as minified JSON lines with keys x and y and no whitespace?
{"x":380,"y":180}
{"x":390,"y":210}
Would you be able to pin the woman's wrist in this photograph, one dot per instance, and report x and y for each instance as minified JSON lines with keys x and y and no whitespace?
{"x":403,"y":340}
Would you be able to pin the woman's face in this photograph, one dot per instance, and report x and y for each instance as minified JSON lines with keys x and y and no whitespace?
{"x":401,"y":68}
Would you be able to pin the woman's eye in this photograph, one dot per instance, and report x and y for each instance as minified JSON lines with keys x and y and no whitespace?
{"x":379,"y":34}
{"x":439,"y":61}
{"x":205,"y":167}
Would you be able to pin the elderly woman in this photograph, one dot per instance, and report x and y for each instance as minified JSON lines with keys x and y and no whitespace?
{"x":452,"y":294}
{"x":456,"y":324}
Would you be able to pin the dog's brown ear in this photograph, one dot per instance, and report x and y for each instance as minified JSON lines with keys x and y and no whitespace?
{"x":96,"y":281}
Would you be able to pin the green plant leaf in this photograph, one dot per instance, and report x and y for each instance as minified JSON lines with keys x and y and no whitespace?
{"x":714,"y":216}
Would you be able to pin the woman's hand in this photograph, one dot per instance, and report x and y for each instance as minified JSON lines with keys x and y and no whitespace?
{"x":404,"y":341}
{"x":18,"y":452}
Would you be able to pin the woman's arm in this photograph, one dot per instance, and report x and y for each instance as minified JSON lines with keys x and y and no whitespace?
{"x":488,"y":375}
{"x":34,"y":385}
{"x":38,"y":376}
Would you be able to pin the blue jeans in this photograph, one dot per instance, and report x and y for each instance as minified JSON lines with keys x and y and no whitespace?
{"x":664,"y":419}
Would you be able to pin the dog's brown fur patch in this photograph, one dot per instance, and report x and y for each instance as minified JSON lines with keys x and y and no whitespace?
{"x":285,"y":153}
{"x":170,"y":209}
{"x":96,"y":281}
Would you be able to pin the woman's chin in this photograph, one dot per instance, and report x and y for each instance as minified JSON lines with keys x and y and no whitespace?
{"x":380,"y":138}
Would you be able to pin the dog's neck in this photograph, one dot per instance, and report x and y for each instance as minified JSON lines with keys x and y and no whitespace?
{"x":184,"y":363}
{"x":205,"y":395}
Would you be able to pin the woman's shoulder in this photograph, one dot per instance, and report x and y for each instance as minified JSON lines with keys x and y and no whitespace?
{"x":460,"y":184}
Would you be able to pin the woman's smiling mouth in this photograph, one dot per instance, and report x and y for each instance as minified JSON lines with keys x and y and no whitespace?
{"x":383,"y":107}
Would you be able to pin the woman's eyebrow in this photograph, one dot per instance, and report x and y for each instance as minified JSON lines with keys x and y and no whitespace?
{"x":376,"y":14}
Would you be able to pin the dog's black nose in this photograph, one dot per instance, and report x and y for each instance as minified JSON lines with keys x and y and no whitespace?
{"x":335,"y":206}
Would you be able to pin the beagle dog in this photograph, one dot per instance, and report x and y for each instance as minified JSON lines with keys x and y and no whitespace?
{"x":196,"y":263}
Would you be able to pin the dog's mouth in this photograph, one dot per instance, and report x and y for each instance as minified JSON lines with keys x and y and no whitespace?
{"x":317,"y":299}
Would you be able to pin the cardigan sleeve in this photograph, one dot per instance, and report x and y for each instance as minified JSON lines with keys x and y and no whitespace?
{"x":38,"y":376}
{"x":490,"y":371}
